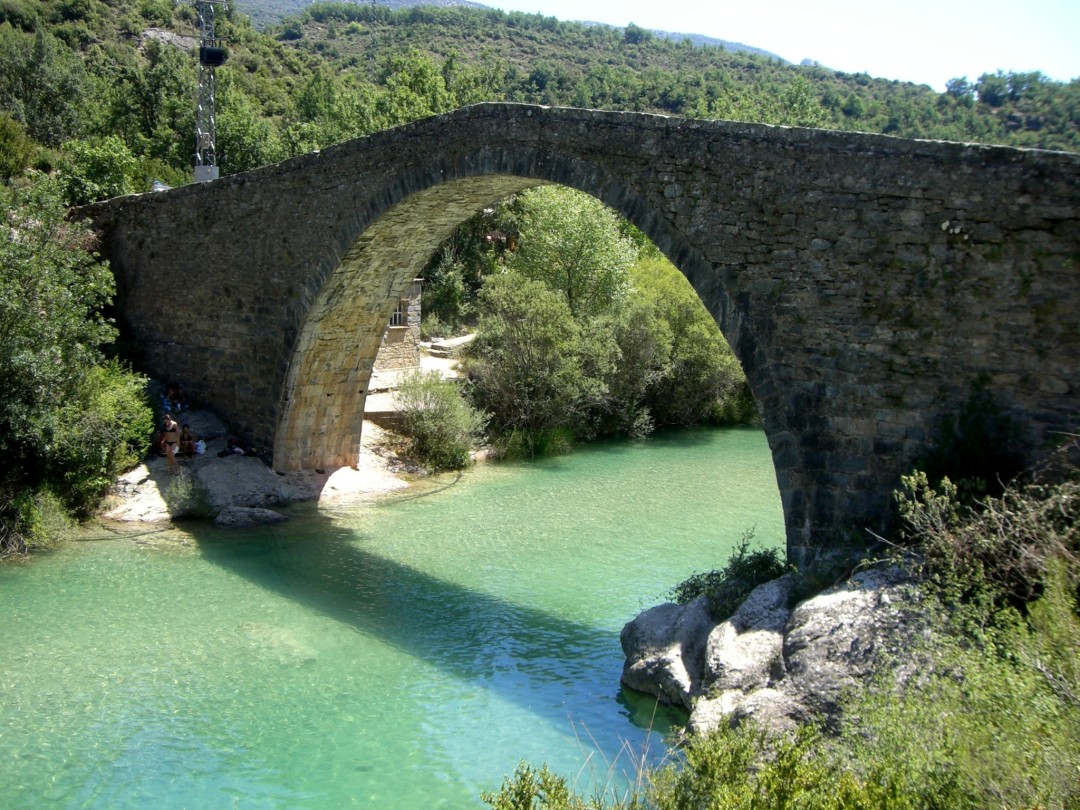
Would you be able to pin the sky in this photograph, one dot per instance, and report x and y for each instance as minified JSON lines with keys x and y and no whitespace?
{"x":922,"y":41}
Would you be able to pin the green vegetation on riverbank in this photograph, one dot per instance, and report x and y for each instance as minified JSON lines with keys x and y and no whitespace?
{"x":583,"y":329}
{"x":70,"y":419}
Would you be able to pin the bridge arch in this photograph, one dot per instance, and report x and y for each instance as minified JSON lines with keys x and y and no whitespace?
{"x":864,"y":282}
{"x":321,"y":412}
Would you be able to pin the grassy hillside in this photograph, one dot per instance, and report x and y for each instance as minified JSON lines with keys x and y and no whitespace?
{"x":266,"y":13}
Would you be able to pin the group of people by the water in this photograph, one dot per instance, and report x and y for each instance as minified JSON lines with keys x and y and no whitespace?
{"x":176,"y":440}
{"x":173,"y":439}
{"x":179,"y":441}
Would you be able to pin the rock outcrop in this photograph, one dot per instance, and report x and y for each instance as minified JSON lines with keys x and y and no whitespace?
{"x":778,"y":664}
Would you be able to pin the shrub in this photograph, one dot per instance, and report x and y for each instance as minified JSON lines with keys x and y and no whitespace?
{"x":104,"y":430}
{"x":432,"y":327}
{"x":995,"y":724}
{"x":997,"y":720}
{"x":20,"y":13}
{"x":441,"y":425}
{"x":156,"y":12}
{"x":728,"y":588}
{"x":528,"y":789}
{"x":96,"y":169}
{"x":744,"y":769}
{"x":1000,"y":552}
{"x":31,"y":520}
{"x":530,"y":443}
{"x":16,"y":148}
{"x":736,"y":406}
{"x":186,"y":498}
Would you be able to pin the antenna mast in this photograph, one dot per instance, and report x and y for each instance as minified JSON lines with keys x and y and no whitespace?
{"x":211,"y":55}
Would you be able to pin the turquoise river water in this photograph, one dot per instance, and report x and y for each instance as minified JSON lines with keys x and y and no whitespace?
{"x":402,"y":653}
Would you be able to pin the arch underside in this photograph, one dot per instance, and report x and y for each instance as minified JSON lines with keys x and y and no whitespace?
{"x":322,"y":406}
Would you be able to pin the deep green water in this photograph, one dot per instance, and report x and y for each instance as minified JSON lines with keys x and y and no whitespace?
{"x":406,"y":653}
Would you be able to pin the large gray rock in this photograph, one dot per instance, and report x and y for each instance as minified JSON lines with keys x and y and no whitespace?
{"x":778,"y":665}
{"x":742,"y":652}
{"x":665,"y":651}
{"x":847,"y":633}
{"x":242,"y":481}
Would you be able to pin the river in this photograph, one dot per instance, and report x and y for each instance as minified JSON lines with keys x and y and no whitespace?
{"x":405,"y":652}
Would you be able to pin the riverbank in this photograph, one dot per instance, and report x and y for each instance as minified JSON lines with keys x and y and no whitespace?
{"x":142,"y":494}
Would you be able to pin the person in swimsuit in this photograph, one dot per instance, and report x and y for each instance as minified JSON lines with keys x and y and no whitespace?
{"x":170,"y":438}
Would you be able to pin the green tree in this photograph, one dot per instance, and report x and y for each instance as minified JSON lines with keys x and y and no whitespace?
{"x":43,"y":85}
{"x":67,"y":422}
{"x":96,"y":169}
{"x":573,"y":244}
{"x":245,"y":139}
{"x":50,"y":292}
{"x":481,"y":80}
{"x":636,"y":35}
{"x":445,"y":293}
{"x":529,"y":365}
{"x":16,"y":148}
{"x":413,"y":87}
{"x":699,"y":373}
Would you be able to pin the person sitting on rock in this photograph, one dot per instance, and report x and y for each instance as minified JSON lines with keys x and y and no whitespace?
{"x":187,"y":441}
{"x":233,"y":448}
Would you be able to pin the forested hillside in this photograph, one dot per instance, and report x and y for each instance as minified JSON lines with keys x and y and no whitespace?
{"x":270,"y":12}
{"x":118,"y":77}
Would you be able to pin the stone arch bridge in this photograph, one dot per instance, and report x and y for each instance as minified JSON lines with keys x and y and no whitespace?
{"x":866,"y":283}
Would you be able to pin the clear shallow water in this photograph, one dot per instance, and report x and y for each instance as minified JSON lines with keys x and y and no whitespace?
{"x":406,"y":653}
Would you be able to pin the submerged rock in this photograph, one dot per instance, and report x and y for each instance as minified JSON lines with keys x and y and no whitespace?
{"x":242,"y":517}
{"x":665,"y":650}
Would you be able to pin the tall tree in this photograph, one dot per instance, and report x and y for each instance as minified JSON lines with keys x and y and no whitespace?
{"x":573,"y":244}
{"x":530,"y":364}
{"x":43,"y":85}
{"x":51,"y":291}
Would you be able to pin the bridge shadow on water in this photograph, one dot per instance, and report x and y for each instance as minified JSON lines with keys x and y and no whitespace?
{"x":542,"y":662}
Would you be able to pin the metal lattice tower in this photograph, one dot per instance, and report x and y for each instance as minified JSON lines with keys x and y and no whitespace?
{"x":211,"y":56}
